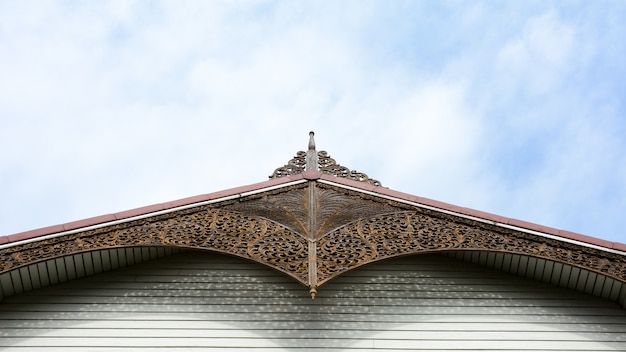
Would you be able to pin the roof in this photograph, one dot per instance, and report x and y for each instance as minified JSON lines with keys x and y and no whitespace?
{"x":102,"y":220}
{"x":313,"y":202}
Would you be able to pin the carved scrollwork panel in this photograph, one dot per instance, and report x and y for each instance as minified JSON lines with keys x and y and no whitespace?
{"x":314,"y":232}
{"x":329,"y":166}
{"x":228,"y":232}
{"x":295,"y":166}
{"x":403,"y":233}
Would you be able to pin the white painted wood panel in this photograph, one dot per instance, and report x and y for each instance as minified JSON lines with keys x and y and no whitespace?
{"x":74,"y":267}
{"x":549,"y":272}
{"x":204,"y":301}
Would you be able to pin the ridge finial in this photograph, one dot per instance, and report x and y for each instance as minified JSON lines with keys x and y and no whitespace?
{"x":312,"y":160}
{"x":311,"y":141}
{"x":311,"y":154}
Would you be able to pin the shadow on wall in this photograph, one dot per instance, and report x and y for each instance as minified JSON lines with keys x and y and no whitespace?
{"x":208,"y":301}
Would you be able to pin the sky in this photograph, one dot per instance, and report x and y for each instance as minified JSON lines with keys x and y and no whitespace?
{"x":516,"y":108}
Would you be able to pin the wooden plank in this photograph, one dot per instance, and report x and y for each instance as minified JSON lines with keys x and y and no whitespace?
{"x":97,"y":262}
{"x":515,"y":264}
{"x":599,"y":285}
{"x":449,"y":327}
{"x":220,"y":349}
{"x":114,"y":258}
{"x":6,"y":283}
{"x":531,"y":267}
{"x":581,"y":284}
{"x":154,"y":253}
{"x":539,"y":270}
{"x":51,"y":265}
{"x":300,"y":304}
{"x":408,"y":332}
{"x":44,"y":276}
{"x":499,"y":261}
{"x":70,"y":268}
{"x":261,"y":341}
{"x":258,"y":293}
{"x":88,"y":263}
{"x":137,"y":255}
{"x":590,"y":283}
{"x":522,"y":266}
{"x":16,"y":280}
{"x":622,"y":297}
{"x":61,"y":269}
{"x":565,"y":277}
{"x":591,"y":321}
{"x":557,"y":272}
{"x":548,"y":271}
{"x":79,"y":265}
{"x":106,"y":260}
{"x":501,"y":345}
{"x":122,"y":258}
{"x":25,"y":279}
{"x":33,"y":271}
{"x":145,"y":254}
{"x":574,"y":278}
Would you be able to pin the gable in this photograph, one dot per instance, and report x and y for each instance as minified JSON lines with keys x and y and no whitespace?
{"x":314,"y":221}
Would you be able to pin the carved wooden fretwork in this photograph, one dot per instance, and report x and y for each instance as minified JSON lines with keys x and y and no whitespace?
{"x":329,"y":166}
{"x":295,"y":166}
{"x":212,"y":228}
{"x":320,"y":161}
{"x":391,"y":235}
{"x":314,"y":232}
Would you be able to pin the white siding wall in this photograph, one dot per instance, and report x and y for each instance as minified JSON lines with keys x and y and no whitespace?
{"x":203,"y":301}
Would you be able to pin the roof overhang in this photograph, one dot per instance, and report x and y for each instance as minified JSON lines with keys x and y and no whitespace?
{"x":313,"y":224}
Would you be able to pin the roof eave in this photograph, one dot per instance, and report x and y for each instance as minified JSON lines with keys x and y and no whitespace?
{"x":155,"y":209}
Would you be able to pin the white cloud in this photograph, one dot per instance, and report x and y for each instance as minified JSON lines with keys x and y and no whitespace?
{"x":540,"y":55}
{"x":114,"y":105}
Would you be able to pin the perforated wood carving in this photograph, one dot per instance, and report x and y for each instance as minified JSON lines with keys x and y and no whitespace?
{"x":213,"y":229}
{"x":380,"y":237}
{"x":320,"y":161}
{"x":314,"y":232}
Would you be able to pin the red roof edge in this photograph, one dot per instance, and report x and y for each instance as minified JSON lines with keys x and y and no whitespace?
{"x":311,"y":175}
{"x":103,"y":219}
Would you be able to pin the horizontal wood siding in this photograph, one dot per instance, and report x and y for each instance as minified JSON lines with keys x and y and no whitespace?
{"x":204,"y":301}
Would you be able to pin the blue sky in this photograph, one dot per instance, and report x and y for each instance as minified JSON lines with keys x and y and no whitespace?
{"x":515,"y":108}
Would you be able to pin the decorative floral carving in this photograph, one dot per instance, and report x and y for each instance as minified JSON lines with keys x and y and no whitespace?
{"x":324,"y":163}
{"x":350,"y":229}
{"x":213,"y":229}
{"x":402,"y":233}
{"x":290,"y":209}
{"x":336,"y":208}
{"x":293,"y":167}
{"x":329,"y":166}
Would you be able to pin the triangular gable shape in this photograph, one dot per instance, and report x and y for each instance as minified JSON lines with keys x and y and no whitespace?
{"x":313,"y":221}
